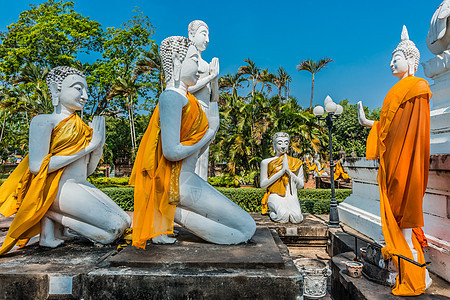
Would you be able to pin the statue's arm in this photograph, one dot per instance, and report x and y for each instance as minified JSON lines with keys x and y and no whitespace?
{"x":215,"y":81}
{"x":201,"y":83}
{"x":298,"y":178}
{"x":213,"y":113}
{"x":97,"y":154}
{"x":265,"y":182}
{"x":362,"y":116}
{"x":40,"y":133}
{"x":170,"y":110}
{"x":212,"y":77}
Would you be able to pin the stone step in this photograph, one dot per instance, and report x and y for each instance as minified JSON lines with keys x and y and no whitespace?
{"x":344,"y":287}
{"x":312,"y":232}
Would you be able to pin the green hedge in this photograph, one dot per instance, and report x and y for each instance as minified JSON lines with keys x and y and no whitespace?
{"x":311,"y":201}
{"x":104,"y":182}
{"x":123,"y":196}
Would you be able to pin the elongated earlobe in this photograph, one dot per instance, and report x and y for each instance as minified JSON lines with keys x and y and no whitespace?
{"x":176,"y":67}
{"x":54,"y":93}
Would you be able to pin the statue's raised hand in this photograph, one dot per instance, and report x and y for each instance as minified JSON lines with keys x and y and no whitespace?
{"x":98,"y":132}
{"x":285,"y":167}
{"x":362,"y":116}
{"x":214,"y":118}
{"x":214,"y":67}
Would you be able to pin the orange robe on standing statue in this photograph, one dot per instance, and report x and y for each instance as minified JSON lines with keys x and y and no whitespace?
{"x":401,"y":141}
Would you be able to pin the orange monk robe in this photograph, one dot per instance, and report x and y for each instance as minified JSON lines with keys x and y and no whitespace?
{"x":279,"y":186}
{"x":156,"y":179}
{"x":340,"y":172}
{"x":30,"y":196}
{"x":401,"y":141}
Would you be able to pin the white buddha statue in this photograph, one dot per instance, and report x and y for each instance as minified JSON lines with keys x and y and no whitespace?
{"x":281,"y":175}
{"x":167,"y":188}
{"x":51,"y":184}
{"x":206,"y":90}
{"x":401,"y":142}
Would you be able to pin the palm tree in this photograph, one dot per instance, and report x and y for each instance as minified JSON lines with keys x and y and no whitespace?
{"x":232,"y":81}
{"x":265,"y":77}
{"x":151,"y":62}
{"x":127,"y":88}
{"x":313,"y":67}
{"x":252,"y":71}
{"x":281,"y":80}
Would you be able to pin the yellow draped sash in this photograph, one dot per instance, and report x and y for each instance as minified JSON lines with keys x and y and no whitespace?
{"x":30,"y":196}
{"x":279,"y":186}
{"x":156,"y":179}
{"x":340,"y":172}
{"x":401,"y":140}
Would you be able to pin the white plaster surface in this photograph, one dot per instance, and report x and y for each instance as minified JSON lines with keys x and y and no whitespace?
{"x":60,"y":285}
{"x":361,"y":210}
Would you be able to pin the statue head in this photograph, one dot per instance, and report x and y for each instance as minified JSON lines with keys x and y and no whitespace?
{"x":179,"y":58}
{"x":281,"y":143}
{"x":198,"y":33}
{"x":68,"y":87}
{"x":405,"y":58}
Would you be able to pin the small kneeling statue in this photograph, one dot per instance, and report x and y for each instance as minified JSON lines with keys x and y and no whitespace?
{"x":48,"y":191}
{"x":282,"y":175}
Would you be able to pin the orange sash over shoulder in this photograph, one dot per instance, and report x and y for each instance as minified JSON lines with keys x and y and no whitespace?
{"x":279,"y":186}
{"x":401,"y":140}
{"x":30,"y":196}
{"x":156,"y":179}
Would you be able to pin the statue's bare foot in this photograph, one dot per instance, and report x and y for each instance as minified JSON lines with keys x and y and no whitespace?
{"x":163,"y":239}
{"x":51,"y":243}
{"x":428,"y":280}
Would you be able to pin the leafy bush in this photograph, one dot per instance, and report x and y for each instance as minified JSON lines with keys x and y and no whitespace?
{"x":249,"y":199}
{"x":103,"y":182}
{"x":123,"y":196}
{"x":224,"y":181}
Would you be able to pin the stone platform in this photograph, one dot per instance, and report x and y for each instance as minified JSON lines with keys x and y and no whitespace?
{"x":345,"y":287}
{"x":312,"y":232}
{"x":189,"y":269}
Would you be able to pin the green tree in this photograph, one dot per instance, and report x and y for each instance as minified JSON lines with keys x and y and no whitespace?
{"x":251,"y":71}
{"x":281,"y":80}
{"x":313,"y":67}
{"x":122,"y":48}
{"x":348,"y":134}
{"x":233,"y":81}
{"x":47,"y":35}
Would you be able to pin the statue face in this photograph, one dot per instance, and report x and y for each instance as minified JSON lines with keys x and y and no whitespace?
{"x":189,"y":68}
{"x":201,"y":38}
{"x":399,"y":64}
{"x":281,"y":145}
{"x":73,"y":93}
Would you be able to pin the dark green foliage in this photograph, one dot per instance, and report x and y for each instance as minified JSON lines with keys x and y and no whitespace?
{"x":123,"y":196}
{"x":226,"y":180}
{"x":348,"y":134}
{"x":108,"y":182}
{"x":249,"y":199}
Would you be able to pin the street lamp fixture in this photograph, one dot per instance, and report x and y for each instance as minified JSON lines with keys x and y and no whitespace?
{"x":333,"y":112}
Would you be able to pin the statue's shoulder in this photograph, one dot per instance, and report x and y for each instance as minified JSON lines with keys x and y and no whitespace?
{"x":44,"y":120}
{"x":169,"y":96}
{"x":267,"y":160}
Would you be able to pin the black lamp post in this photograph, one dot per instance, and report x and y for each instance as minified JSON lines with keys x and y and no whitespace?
{"x":334,"y":111}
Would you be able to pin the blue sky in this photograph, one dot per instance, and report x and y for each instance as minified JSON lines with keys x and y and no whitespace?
{"x":358,"y":35}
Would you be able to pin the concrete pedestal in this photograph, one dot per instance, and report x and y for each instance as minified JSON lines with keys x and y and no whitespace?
{"x":438,"y":69}
{"x":361,"y":210}
{"x":189,"y":269}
